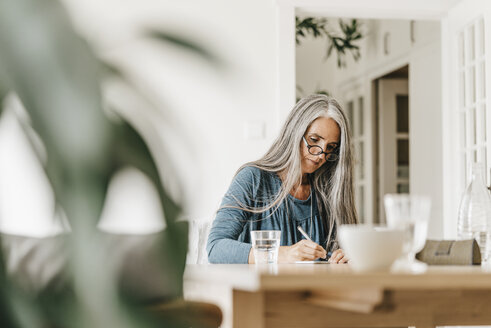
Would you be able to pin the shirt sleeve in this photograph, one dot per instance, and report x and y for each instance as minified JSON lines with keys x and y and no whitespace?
{"x":223,"y":245}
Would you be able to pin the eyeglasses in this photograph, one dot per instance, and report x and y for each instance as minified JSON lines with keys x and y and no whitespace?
{"x":331,"y":151}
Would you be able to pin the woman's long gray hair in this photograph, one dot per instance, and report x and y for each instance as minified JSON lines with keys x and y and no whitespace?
{"x":332,"y":182}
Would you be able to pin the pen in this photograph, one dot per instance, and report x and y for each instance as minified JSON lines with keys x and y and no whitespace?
{"x":299,"y":228}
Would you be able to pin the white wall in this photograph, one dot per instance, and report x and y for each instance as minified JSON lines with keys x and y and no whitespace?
{"x":208,"y":109}
{"x":425,"y":127}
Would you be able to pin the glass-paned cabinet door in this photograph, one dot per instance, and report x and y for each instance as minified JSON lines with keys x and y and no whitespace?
{"x":357,"y":116}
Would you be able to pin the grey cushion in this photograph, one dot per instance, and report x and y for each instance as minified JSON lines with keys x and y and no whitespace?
{"x":143,"y":266}
{"x":37,"y":264}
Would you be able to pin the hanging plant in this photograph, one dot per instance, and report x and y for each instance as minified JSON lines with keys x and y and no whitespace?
{"x":301,"y":93}
{"x":342,"y":41}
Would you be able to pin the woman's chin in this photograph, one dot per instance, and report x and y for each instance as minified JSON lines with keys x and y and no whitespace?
{"x":310,"y":167}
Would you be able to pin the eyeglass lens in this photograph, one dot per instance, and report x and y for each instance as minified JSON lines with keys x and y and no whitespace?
{"x":316,"y":150}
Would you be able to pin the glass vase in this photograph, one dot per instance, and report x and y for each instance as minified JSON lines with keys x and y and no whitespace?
{"x":474,"y":220}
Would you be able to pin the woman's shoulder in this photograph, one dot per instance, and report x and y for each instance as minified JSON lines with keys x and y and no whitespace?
{"x":254,"y":174}
{"x":249,"y":170}
{"x":254,"y":182}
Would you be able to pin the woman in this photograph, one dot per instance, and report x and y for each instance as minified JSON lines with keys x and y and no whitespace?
{"x":305,"y":179}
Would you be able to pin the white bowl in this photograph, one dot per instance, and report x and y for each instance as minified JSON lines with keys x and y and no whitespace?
{"x":370,"y":248}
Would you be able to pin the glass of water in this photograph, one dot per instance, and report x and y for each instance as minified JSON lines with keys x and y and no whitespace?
{"x":265,"y":244}
{"x":410,"y":213}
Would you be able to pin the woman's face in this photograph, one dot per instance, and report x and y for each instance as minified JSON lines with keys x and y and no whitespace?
{"x":322,"y":132}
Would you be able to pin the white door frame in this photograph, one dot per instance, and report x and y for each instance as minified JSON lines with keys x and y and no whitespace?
{"x":388,"y":137}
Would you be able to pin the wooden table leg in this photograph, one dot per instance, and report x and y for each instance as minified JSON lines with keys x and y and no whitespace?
{"x":248,"y":309}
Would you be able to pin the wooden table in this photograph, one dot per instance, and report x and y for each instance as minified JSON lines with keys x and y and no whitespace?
{"x":326,"y":295}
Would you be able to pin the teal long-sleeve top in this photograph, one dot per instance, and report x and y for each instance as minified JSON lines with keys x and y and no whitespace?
{"x":229,"y":240}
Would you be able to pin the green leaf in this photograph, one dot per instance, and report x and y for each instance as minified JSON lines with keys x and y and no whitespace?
{"x":4,"y":90}
{"x":7,"y":317}
{"x":109,"y":69}
{"x":329,"y":50}
{"x":310,"y":25}
{"x":317,"y":28}
{"x":322,"y":92}
{"x":57,"y":78}
{"x":131,"y":150}
{"x":185,"y":44}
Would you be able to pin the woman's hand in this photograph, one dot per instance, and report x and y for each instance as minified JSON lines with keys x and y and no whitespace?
{"x":304,"y":250}
{"x":338,"y":257}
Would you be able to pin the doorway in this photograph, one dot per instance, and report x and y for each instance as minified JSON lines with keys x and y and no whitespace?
{"x":392,"y":136}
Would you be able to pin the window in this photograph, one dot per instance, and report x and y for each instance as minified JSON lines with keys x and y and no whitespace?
{"x":472,"y":111}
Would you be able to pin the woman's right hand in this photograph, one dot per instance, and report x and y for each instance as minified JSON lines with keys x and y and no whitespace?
{"x":304,"y":250}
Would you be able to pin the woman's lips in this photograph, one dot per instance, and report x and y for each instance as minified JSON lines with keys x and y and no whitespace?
{"x":314,"y":162}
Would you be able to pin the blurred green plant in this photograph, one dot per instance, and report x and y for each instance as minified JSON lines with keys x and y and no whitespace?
{"x":318,"y":91}
{"x":57,"y":76}
{"x":341,"y":41}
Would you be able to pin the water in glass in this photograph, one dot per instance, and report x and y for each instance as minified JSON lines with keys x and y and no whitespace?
{"x":266,"y":251}
{"x":265,"y":244}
